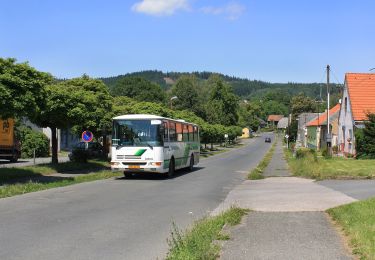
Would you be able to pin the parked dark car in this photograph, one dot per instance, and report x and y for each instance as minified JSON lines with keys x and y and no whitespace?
{"x":267,"y":139}
{"x":94,"y":150}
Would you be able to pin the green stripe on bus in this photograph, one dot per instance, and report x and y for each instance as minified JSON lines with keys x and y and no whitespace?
{"x":140,"y":152}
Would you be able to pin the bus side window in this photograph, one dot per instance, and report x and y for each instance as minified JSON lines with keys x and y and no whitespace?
{"x":191,"y":133}
{"x":172,"y":132}
{"x":196,"y":134}
{"x":185,"y":134}
{"x":179,"y":132}
{"x":165,"y":126}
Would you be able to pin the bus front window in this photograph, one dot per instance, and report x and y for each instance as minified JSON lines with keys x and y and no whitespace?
{"x":137,"y":133}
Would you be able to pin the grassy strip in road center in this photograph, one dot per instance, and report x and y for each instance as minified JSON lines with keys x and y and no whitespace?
{"x":358,"y":222}
{"x":256,"y":173}
{"x":198,"y":243}
{"x":22,"y":188}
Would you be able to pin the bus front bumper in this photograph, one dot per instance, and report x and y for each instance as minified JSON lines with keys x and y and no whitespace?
{"x":137,"y":166}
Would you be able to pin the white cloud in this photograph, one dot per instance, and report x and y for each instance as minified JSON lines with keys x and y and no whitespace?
{"x":231,"y":11}
{"x":160,"y":7}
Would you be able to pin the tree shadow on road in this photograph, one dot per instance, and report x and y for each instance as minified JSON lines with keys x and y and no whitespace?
{"x":159,"y":176}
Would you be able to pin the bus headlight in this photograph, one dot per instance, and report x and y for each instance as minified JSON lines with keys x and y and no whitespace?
{"x":158,"y":164}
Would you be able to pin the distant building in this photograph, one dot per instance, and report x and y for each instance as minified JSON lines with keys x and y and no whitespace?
{"x":273,"y":120}
{"x":317,"y":129}
{"x":245,"y":133}
{"x":358,"y":99}
{"x":283,"y":123}
{"x":262,"y":123}
{"x":303,"y":119}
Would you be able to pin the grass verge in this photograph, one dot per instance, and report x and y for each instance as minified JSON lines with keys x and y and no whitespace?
{"x":205,"y":153}
{"x":334,"y":168}
{"x":8,"y":174}
{"x":256,"y":173}
{"x":358,"y":222}
{"x":22,"y":188}
{"x":198,"y":243}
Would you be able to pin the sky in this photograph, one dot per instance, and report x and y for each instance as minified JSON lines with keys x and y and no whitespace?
{"x":269,"y":40}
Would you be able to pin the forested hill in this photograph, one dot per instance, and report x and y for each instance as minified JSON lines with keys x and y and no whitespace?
{"x":242,"y":87}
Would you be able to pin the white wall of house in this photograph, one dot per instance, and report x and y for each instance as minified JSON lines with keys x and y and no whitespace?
{"x":346,"y":137}
{"x":47,"y":131}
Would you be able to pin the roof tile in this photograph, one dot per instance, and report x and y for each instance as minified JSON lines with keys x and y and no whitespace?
{"x":361,"y":87}
{"x":274,"y":117}
{"x":322,"y":118}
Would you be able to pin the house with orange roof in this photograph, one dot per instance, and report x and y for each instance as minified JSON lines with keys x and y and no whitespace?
{"x":317,"y":129}
{"x":273,"y":120}
{"x":357,"y":101}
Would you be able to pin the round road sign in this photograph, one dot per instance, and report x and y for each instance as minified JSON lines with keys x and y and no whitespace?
{"x":87,"y":136}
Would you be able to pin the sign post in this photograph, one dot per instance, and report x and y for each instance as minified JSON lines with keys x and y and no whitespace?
{"x":287,"y":141}
{"x":87,"y":137}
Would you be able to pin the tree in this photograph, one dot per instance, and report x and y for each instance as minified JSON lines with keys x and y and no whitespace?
{"x":222,"y":106}
{"x":301,"y":104}
{"x":186,"y":89}
{"x":365,"y":141}
{"x":81,"y":103}
{"x":272,"y":107}
{"x":140,"y":89}
{"x":21,"y":89}
{"x":249,"y":114}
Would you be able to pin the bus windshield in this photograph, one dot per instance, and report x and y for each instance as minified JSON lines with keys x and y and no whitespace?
{"x":137,"y":133}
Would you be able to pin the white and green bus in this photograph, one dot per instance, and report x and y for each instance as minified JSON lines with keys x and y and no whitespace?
{"x":149,"y":143}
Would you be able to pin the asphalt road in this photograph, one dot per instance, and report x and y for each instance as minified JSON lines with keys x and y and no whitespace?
{"x":358,"y":189}
{"x":119,"y":218}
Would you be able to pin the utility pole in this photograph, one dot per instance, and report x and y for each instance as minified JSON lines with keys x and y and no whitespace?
{"x":328,"y":137}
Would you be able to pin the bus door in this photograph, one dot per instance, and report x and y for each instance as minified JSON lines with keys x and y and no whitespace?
{"x":167,"y":150}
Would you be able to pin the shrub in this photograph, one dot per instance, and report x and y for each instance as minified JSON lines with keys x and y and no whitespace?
{"x":79,"y":155}
{"x":306,"y":153}
{"x":32,"y":140}
{"x":326,"y":154}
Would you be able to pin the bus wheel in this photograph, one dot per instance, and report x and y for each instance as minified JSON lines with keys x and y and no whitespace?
{"x":191,"y":165}
{"x":171,"y":169}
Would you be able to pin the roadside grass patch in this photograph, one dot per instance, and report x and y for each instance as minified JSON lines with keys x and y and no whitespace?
{"x":219,"y":149}
{"x":256,"y":173}
{"x":333,"y":168}
{"x":8,"y":174}
{"x":358,"y":222}
{"x":22,"y":188}
{"x":198,"y":243}
{"x":209,"y":153}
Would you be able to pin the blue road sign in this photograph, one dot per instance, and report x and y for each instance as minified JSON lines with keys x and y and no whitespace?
{"x":87,"y":136}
